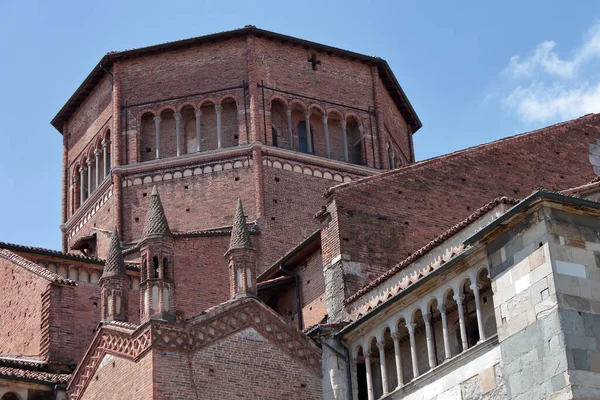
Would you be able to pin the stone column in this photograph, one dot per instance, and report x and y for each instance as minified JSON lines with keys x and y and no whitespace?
{"x":82,"y":171}
{"x":361,"y":131}
{"x":461,"y":321}
{"x":308,"y":132}
{"x":105,"y":144}
{"x":413,"y":348}
{"x":370,"y":393}
{"x":97,"y":155}
{"x":89,"y":177}
{"x":288,"y":113}
{"x":384,"y":382}
{"x":344,"y":139}
{"x":476,"y":288}
{"x":447,"y":351}
{"x":398,"y":358}
{"x":430,"y":347}
{"x":157,"y":133}
{"x":198,"y":113}
{"x":218,"y":109}
{"x":326,"y":133}
{"x":178,"y":132}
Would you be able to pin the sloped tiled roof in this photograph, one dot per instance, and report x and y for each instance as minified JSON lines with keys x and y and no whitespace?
{"x":35,"y":376}
{"x":49,"y":252}
{"x":35,"y":268}
{"x":156,"y":220}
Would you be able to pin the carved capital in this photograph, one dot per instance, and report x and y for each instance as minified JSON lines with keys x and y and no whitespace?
{"x":411,"y":327}
{"x":395,"y":336}
{"x":105,"y":142}
{"x":157,"y":118}
{"x":97,"y":152}
{"x":380,"y":346}
{"x":177,"y":116}
{"x":475,"y":287}
{"x":427,"y":318}
{"x":198,"y":112}
{"x":343,"y":124}
{"x":288,"y":111}
{"x":324,"y":119}
{"x":459,"y":298}
{"x":218,"y":108}
{"x":307,"y":114}
{"x":361,"y":129}
{"x":443,"y":308}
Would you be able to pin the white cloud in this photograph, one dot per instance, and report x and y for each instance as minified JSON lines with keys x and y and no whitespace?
{"x":555,"y":89}
{"x":541,"y":103}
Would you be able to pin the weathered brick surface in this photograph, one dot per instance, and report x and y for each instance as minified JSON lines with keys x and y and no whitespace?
{"x":127,"y":379}
{"x":21,"y":305}
{"x":252,"y":366}
{"x":201,"y":273}
{"x":192,"y":203}
{"x":419,"y":202}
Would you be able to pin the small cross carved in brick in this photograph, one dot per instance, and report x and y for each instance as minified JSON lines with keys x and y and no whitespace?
{"x":313,"y":60}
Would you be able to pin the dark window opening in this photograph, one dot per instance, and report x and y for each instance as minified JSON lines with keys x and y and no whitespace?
{"x":274,"y":136}
{"x":361,"y":373}
{"x":303,"y":138}
{"x":165,"y":268}
{"x":156,"y":267}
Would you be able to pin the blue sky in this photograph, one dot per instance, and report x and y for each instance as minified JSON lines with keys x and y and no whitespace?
{"x":474,"y":71}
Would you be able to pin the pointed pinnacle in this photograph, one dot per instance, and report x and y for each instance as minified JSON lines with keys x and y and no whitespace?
{"x":240,"y":238}
{"x":115,"y":264}
{"x":156,"y":220}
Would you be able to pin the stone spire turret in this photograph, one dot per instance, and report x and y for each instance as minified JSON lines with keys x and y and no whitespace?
{"x":114,"y":283}
{"x":156,"y":220}
{"x":240,"y":237}
{"x":156,"y":275}
{"x":242,"y":257}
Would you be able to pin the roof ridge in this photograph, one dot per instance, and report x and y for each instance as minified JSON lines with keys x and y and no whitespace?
{"x":455,"y":154}
{"x":35,"y":268}
{"x":50,"y":252}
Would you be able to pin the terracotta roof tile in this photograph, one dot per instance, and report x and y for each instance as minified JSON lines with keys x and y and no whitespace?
{"x":35,"y":268}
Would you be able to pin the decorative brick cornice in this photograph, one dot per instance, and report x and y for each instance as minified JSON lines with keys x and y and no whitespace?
{"x":215,"y":324}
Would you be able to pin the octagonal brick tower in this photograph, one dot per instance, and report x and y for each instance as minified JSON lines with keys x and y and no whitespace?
{"x":250,"y":114}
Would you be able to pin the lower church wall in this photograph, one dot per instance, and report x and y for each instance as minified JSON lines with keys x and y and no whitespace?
{"x":243,"y":365}
{"x":126,"y":379}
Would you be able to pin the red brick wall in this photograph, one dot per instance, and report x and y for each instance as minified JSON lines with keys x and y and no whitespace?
{"x":21,"y":304}
{"x":243,"y":365}
{"x":210,"y":199}
{"x":183,"y":72}
{"x":85,"y":125}
{"x":310,"y":272}
{"x":291,"y":201}
{"x":127,"y":379}
{"x":201,"y":273}
{"x":418,"y":204}
{"x":395,"y":124}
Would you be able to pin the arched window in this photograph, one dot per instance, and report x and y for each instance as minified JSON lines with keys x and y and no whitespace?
{"x":10,"y":396}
